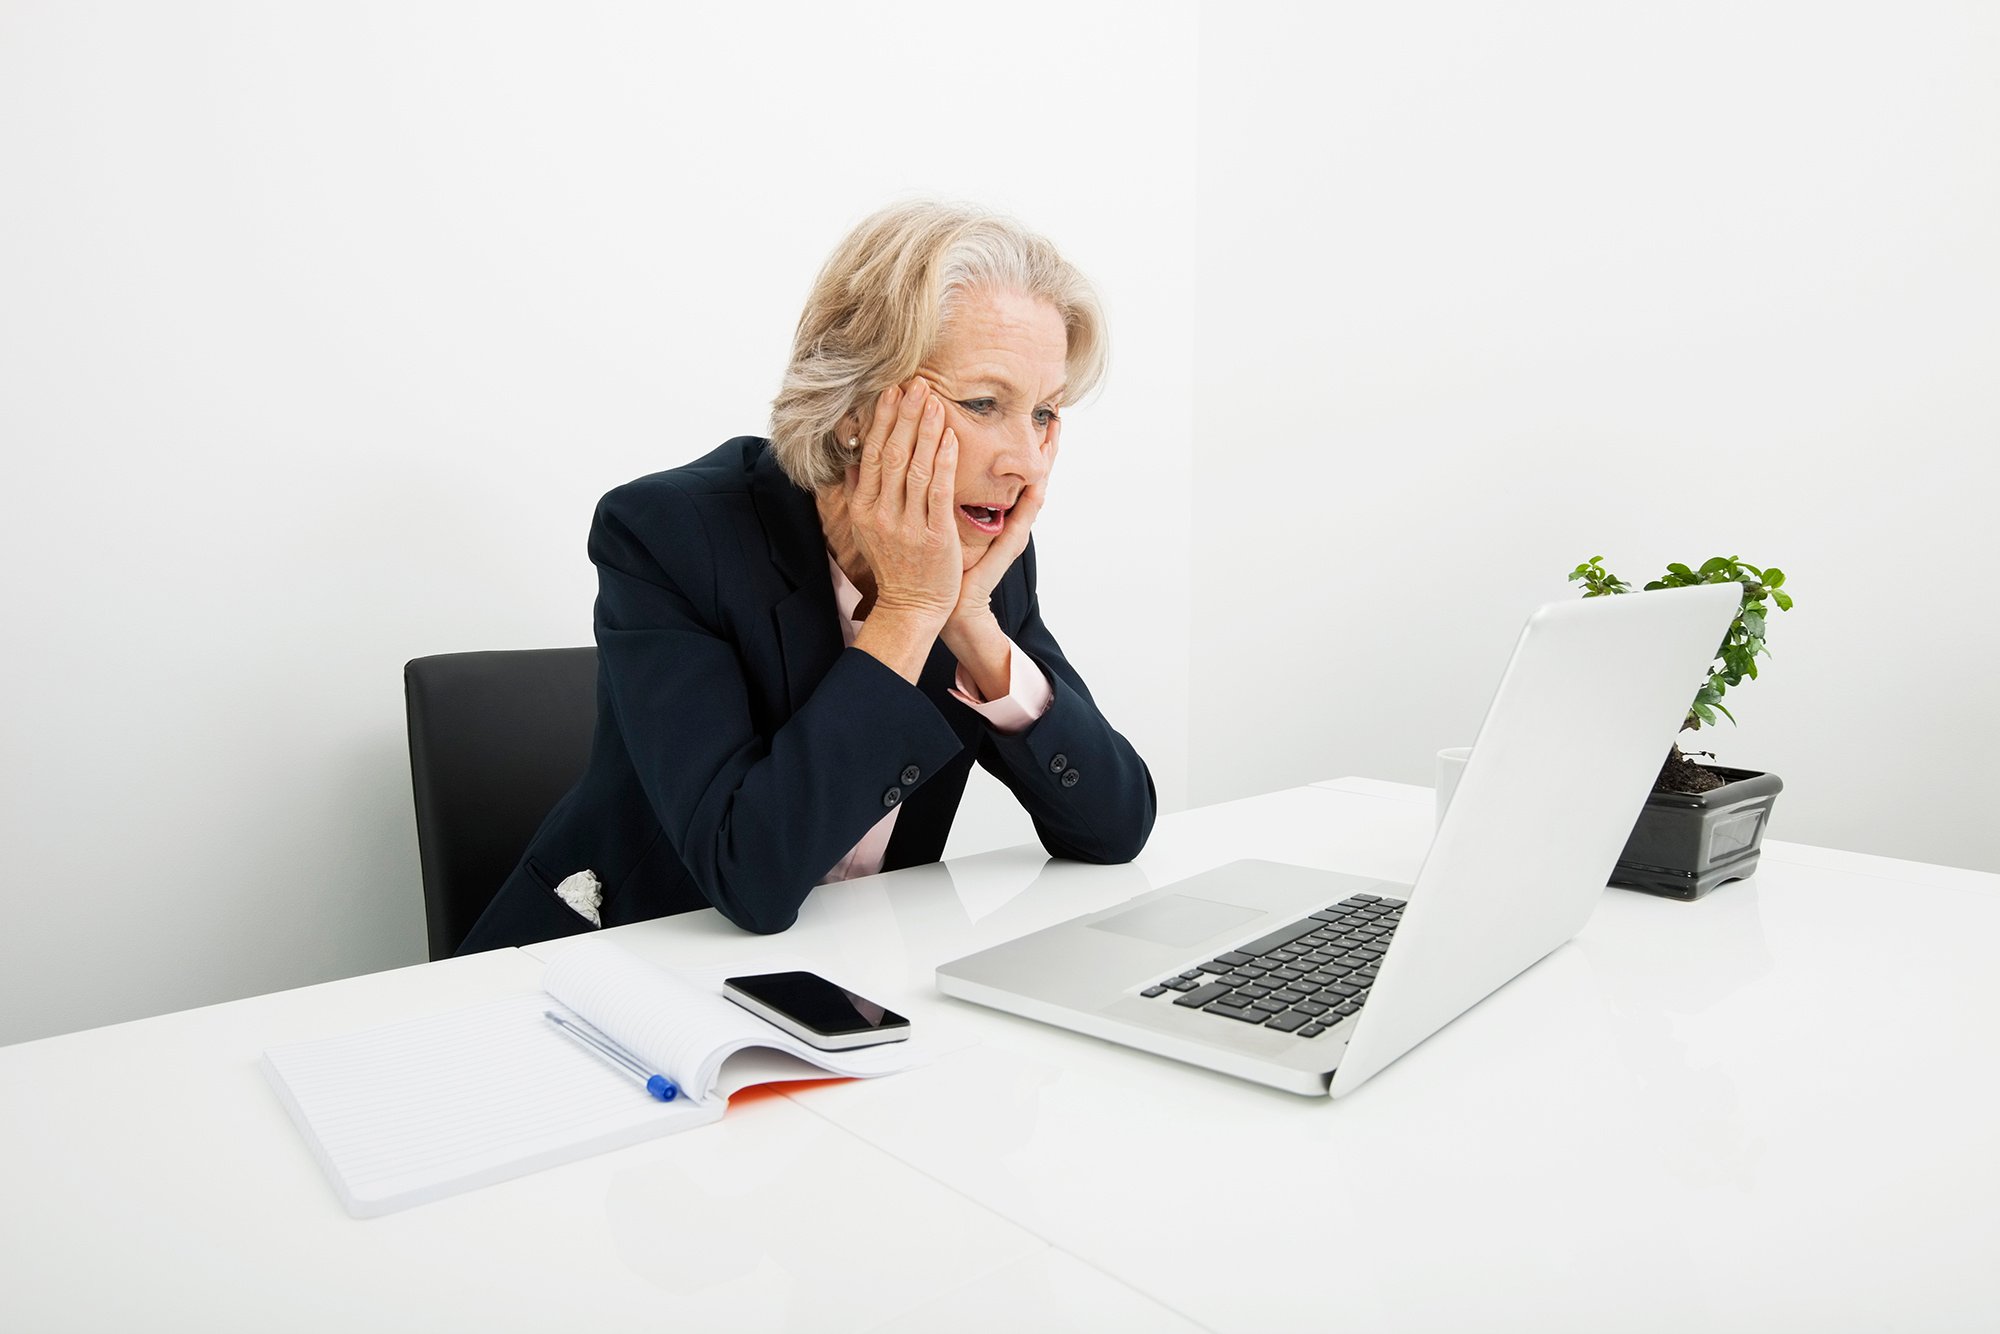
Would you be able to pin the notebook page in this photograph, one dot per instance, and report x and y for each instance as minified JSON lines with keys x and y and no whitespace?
{"x":668,"y":1024}
{"x":416,"y":1110}
{"x":681,"y":1022}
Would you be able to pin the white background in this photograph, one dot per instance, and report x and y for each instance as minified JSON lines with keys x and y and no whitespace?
{"x":323,"y":326}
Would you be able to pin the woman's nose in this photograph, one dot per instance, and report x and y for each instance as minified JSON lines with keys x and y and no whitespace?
{"x":1020,"y":454}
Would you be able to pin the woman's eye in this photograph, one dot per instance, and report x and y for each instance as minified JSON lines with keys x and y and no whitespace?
{"x":1045,"y":417}
{"x":979,"y":407}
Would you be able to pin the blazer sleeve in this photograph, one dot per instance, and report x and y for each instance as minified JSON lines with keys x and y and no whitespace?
{"x":756,"y":818}
{"x":1090,"y":795}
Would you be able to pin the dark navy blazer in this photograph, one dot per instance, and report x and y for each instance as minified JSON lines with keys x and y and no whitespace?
{"x":741,"y":748}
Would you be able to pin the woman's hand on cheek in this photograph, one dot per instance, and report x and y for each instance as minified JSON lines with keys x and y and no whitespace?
{"x":900,"y":502}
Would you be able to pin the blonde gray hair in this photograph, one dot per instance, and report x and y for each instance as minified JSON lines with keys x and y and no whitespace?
{"x":882,"y":300}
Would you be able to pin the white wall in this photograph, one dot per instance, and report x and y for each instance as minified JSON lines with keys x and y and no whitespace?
{"x":1491,"y":289}
{"x":322,"y":327}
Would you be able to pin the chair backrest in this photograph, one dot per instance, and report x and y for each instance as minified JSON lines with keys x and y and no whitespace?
{"x":496,"y":739}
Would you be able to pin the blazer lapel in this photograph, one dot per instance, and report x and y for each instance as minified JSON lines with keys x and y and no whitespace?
{"x":806,"y":620}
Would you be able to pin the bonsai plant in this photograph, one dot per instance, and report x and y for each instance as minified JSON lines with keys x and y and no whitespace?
{"x":1702,"y":824}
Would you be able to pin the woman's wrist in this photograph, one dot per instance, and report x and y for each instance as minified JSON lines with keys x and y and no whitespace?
{"x":900,"y":638}
{"x":983,"y":651}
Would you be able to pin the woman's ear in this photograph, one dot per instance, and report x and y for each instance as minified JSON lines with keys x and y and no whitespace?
{"x":850,"y":430}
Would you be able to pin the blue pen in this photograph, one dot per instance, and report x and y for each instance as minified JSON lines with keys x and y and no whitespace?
{"x":658,"y":1085}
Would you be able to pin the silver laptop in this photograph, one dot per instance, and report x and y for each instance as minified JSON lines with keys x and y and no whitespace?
{"x":1311,"y":981}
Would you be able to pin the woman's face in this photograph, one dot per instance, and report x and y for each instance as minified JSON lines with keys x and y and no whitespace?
{"x":1000,"y":368}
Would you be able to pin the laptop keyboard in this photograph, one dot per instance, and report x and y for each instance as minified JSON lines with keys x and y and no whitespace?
{"x":1303,"y":978}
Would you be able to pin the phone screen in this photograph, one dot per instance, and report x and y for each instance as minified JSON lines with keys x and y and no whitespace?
{"x":818,"y":1004}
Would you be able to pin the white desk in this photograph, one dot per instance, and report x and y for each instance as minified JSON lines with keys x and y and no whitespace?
{"x":1766,"y":1110}
{"x":149,"y":1180}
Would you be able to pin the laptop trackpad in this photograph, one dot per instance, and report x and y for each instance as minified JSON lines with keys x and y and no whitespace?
{"x":1177,"y":919}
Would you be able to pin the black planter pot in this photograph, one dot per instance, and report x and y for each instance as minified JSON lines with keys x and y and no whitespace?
{"x":1686,"y":844}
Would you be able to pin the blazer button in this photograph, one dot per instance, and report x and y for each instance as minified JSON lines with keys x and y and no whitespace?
{"x":912,"y":774}
{"x":1058,"y":764}
{"x":892,"y":796}
{"x":1069,"y":779}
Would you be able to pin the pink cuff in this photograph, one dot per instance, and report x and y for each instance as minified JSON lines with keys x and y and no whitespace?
{"x":1028,"y":694}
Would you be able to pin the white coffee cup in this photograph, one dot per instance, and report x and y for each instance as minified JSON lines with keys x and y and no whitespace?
{"x":1450,"y":767}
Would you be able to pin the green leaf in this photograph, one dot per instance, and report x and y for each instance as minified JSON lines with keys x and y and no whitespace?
{"x":1783,"y":599}
{"x":1753,"y":621}
{"x":1727,"y":714}
{"x":1714,"y":565}
{"x":1681,"y":570}
{"x":1706,"y":714}
{"x":1773,"y":577}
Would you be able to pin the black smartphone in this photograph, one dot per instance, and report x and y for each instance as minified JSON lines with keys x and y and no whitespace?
{"x":816,"y":1011}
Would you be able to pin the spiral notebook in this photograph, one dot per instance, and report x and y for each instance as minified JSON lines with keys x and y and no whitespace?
{"x":417,"y":1110}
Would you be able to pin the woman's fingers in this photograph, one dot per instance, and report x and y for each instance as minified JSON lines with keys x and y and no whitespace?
{"x":868,"y":482}
{"x":942,"y":502}
{"x":899,"y":443}
{"x":923,"y":466}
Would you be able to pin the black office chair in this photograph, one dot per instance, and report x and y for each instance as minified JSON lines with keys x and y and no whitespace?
{"x":495,"y":741}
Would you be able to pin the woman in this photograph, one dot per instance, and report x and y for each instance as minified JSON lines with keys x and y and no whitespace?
{"x":804,"y":642}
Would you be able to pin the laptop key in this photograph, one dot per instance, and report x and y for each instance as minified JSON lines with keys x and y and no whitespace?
{"x":1267,"y":1005}
{"x":1201,"y":996}
{"x":1288,"y":996}
{"x":1233,"y":957}
{"x":1243,"y":1012}
{"x":1312,"y":1030}
{"x":1311,"y":1007}
{"x":1154,"y":991}
{"x":1346,"y":1008}
{"x":1286,"y":1022}
{"x":1178,"y":984}
{"x":1254,"y":990}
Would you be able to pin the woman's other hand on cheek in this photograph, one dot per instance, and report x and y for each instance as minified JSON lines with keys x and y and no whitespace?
{"x":972,"y":634}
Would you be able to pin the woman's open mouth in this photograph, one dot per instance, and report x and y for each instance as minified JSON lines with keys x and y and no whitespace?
{"x":988,"y":519}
